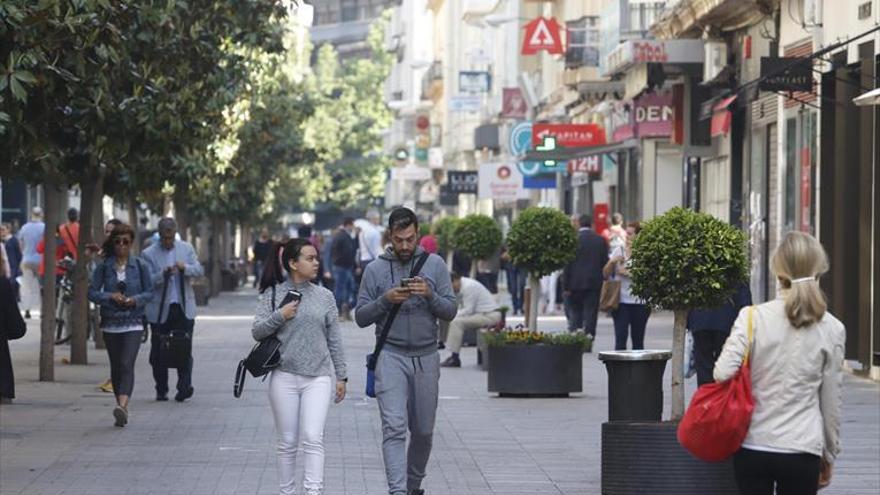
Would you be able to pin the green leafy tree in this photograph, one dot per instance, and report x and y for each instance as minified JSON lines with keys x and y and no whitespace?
{"x":683,"y":260}
{"x":478,"y":236}
{"x":541,"y":240}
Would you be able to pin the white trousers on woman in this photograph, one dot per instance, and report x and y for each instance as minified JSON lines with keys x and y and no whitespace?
{"x":300,"y":405}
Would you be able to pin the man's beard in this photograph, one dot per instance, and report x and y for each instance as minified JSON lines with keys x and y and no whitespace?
{"x":404,"y":255}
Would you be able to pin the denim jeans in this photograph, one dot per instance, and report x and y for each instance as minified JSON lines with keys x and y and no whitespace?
{"x":630,"y":320}
{"x":345,"y":291}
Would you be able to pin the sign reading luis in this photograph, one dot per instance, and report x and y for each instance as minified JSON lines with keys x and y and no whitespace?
{"x":459,"y":182}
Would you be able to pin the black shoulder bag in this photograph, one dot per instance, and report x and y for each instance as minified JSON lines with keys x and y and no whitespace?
{"x":175,"y":335}
{"x":383,"y":336}
{"x":263,"y":358}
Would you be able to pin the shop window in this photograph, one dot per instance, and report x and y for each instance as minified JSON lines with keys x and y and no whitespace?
{"x":800,"y":172}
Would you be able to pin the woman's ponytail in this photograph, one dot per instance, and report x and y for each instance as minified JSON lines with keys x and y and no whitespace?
{"x":798,"y":263}
{"x":273,"y":272}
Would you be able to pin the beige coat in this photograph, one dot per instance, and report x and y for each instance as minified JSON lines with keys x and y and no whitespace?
{"x":796,"y":379}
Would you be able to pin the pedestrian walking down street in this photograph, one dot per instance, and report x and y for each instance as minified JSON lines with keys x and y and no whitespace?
{"x":12,"y":327}
{"x":300,"y":388}
{"x":29,"y":236}
{"x":616,"y":233}
{"x":13,"y":253}
{"x":343,"y":256}
{"x":175,"y":265}
{"x":122,"y":286}
{"x":488,"y":270}
{"x":516,"y":282}
{"x":97,"y":252}
{"x":631,"y":316}
{"x":261,"y":251}
{"x":408,"y":368}
{"x":369,"y":242}
{"x":796,"y":365}
{"x":477,"y":309}
{"x":710,"y":329}
{"x":582,"y":278}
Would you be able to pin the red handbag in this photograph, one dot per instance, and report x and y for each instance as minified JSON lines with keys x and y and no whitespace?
{"x":718,"y":418}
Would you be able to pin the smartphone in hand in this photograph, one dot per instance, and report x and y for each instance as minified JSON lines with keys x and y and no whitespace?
{"x":291,"y":296}
{"x":405,"y":282}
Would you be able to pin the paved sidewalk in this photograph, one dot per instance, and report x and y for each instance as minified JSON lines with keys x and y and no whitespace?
{"x":58,"y":438}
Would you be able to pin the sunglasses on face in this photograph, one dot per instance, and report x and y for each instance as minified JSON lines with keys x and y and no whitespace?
{"x":122,"y":242}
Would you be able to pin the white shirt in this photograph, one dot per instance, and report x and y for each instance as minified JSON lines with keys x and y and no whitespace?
{"x":170,"y":259}
{"x":475,"y":298}
{"x":370,"y":243}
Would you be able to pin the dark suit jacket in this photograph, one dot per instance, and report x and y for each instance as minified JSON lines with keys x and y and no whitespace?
{"x":721,"y":318}
{"x":585,"y":272}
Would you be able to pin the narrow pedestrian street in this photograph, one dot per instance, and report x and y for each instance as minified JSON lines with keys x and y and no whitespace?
{"x":58,"y":438}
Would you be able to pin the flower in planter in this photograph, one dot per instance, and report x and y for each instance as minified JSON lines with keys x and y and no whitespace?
{"x":524,"y":336}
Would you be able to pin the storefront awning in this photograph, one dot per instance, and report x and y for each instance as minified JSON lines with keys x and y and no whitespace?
{"x":870,"y":98}
{"x":721,"y":116}
{"x":564,"y":154}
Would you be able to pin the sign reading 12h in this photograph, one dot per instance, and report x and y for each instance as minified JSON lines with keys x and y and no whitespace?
{"x":542,"y":34}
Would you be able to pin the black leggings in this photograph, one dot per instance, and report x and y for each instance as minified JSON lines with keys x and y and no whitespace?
{"x":123,"y":350}
{"x":792,"y":474}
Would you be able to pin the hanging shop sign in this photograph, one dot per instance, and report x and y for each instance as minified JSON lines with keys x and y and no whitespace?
{"x":474,"y":82}
{"x":465,"y":103}
{"x":634,"y":52}
{"x":459,"y":182}
{"x":797,"y":77}
{"x":519,"y":142}
{"x":569,"y":135}
{"x":501,"y":182}
{"x":542,"y":34}
{"x":589,"y":165}
{"x":410,"y":173}
{"x":513,"y":105}
{"x":539,"y":181}
{"x":654,"y":114}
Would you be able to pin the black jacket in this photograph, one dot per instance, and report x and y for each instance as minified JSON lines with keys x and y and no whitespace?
{"x":585,"y":272}
{"x":12,"y":325}
{"x":721,"y":318}
{"x":343,"y":251}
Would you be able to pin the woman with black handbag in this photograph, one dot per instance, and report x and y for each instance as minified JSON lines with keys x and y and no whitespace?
{"x":306,"y":322}
{"x":122,"y":286}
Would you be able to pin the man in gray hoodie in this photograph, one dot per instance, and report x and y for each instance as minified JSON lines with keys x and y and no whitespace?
{"x":408,"y":368}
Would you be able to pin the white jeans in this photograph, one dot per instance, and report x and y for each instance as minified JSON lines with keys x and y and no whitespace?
{"x":300,"y":405}
{"x":30,"y":288}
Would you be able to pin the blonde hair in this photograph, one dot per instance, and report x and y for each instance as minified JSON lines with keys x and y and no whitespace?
{"x":798,"y":263}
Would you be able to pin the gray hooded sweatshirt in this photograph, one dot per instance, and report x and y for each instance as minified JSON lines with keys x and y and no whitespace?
{"x":414,"y":331}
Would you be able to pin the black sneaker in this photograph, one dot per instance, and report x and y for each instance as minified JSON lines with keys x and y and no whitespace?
{"x":162,"y":397}
{"x":441,"y":345}
{"x":27,"y":314}
{"x":451,"y":362}
{"x":182,"y":396}
{"x":417,"y":491}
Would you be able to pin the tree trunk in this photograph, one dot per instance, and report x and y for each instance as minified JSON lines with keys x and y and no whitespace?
{"x":214,"y":254}
{"x":245,"y":241}
{"x":678,"y":334}
{"x":98,"y":235}
{"x":535,"y":286}
{"x":181,"y":205}
{"x":54,"y":196}
{"x":133,"y":222}
{"x":79,"y":309}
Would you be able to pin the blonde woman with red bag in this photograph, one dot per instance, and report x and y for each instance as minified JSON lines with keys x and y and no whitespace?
{"x":796,"y":361}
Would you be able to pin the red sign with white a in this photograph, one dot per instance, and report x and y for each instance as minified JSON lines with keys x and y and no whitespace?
{"x":542,"y":34}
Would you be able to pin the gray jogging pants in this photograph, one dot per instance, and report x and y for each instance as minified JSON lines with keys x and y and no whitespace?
{"x":407,"y":389}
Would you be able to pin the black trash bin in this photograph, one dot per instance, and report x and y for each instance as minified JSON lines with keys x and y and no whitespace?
{"x":635,"y":384}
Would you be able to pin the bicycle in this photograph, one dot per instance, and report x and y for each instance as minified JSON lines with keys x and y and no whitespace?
{"x":64,"y":297}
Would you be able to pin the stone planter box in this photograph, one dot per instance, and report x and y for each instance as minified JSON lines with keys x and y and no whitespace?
{"x":535,"y":370}
{"x":639,"y":458}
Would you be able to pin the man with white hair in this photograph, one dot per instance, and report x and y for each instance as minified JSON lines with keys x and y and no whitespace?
{"x":369,"y":242}
{"x":29,"y":236}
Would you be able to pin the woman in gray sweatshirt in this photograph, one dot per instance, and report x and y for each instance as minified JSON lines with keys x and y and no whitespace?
{"x":301,"y":387}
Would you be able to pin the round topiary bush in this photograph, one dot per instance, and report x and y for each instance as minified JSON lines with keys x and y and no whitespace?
{"x":541,"y":240}
{"x":478,"y":236}
{"x":683,"y":260}
{"x":444,"y":229}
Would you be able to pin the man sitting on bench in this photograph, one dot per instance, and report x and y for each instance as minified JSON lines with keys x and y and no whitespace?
{"x":477,"y":309}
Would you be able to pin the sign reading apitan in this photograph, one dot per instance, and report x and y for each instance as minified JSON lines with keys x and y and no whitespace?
{"x":798,"y":76}
{"x":569,"y":135}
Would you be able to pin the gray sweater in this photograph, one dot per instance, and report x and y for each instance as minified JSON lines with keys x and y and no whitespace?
{"x":414,"y":331}
{"x":311,"y":339}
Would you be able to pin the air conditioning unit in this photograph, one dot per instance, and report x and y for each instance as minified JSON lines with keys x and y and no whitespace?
{"x":812,"y":13}
{"x":715,"y":59}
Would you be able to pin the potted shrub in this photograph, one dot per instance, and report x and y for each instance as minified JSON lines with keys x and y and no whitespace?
{"x":522,"y":362}
{"x":444,"y":229}
{"x":541,"y":240}
{"x":477,"y":236}
{"x":681,"y":260}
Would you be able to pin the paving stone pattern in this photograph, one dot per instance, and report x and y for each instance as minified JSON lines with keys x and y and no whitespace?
{"x":58,"y":438}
